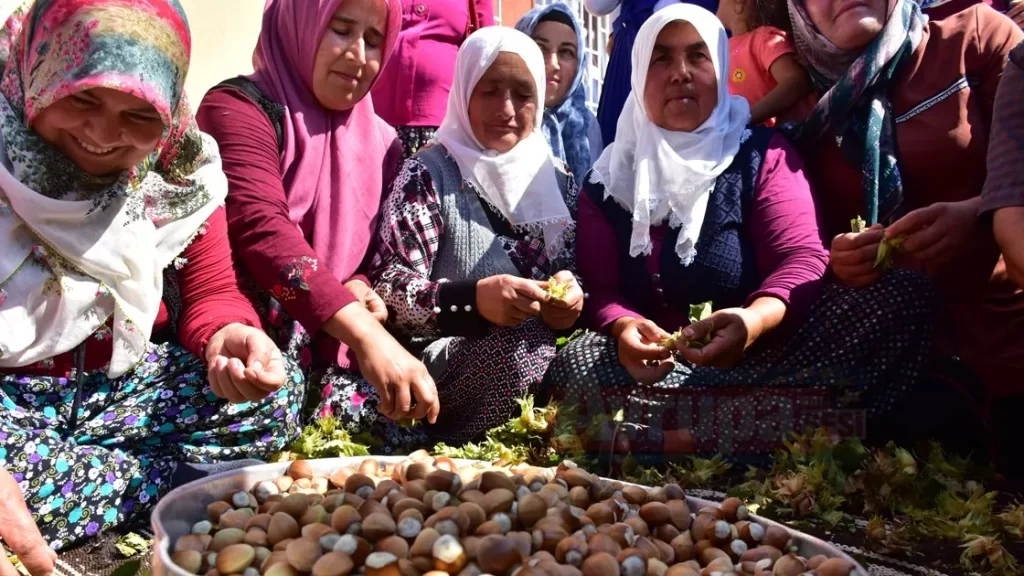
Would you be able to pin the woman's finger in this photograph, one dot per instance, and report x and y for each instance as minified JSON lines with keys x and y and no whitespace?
{"x":651,"y":333}
{"x":862,"y":256}
{"x":913,"y":221}
{"x":650,"y":373}
{"x":923,"y":239}
{"x":220,"y":372}
{"x":530,"y":289}
{"x":855,"y":240}
{"x":6,"y":568}
{"x":526,"y":305}
{"x":386,"y":403}
{"x":403,"y":402}
{"x":20,"y":533}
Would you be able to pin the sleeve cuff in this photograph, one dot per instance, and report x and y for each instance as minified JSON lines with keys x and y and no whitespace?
{"x":456,"y":310}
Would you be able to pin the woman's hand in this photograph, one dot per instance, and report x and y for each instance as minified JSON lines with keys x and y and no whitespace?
{"x":397,"y":376}
{"x":243,"y":364}
{"x":561,"y":314}
{"x":640,"y":349}
{"x":1016,"y":13}
{"x":20,"y":533}
{"x":368,"y":298}
{"x":507,"y":300}
{"x":938,"y":233}
{"x":853,"y":257}
{"x":732,"y":330}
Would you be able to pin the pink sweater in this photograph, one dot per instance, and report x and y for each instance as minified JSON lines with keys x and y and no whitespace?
{"x":413,"y":86}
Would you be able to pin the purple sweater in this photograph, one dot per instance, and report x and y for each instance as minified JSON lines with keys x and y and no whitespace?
{"x":783,"y":226}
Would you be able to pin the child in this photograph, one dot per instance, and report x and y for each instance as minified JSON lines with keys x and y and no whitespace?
{"x":764,"y":66}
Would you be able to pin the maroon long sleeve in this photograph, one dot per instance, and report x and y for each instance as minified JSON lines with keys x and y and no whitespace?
{"x":274,"y":251}
{"x":208,"y":283}
{"x":783,"y":228}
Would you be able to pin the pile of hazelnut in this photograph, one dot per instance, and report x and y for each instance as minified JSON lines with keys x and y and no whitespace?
{"x":428,"y":516}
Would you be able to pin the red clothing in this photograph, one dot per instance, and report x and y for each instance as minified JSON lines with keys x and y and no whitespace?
{"x":208,"y":295}
{"x":751,"y":56}
{"x":787,"y":246}
{"x":274,"y":251}
{"x":413,"y":87}
{"x":943,"y":102}
{"x":947,"y":9}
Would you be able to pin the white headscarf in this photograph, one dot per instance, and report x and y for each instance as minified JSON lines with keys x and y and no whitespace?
{"x":657,"y":173}
{"x":521,"y":184}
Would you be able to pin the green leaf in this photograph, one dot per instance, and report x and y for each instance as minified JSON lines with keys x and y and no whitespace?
{"x":132,"y":544}
{"x":700,"y":311}
{"x":858,"y":225}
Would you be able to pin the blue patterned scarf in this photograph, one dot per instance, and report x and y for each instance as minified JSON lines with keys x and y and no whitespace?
{"x":855,"y":109}
{"x":567,"y":124}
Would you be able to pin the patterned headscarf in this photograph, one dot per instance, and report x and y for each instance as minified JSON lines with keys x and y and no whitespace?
{"x":76,"y":249}
{"x":567,"y":124}
{"x":855,"y":108}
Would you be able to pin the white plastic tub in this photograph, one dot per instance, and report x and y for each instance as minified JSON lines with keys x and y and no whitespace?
{"x":184,"y":506}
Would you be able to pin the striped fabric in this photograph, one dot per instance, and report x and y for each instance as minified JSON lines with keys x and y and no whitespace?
{"x":1004,"y":185}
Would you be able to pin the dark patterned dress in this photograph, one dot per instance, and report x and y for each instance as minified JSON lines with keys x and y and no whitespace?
{"x":487,"y":368}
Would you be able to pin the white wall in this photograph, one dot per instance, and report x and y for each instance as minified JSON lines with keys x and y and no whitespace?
{"x":224,"y":34}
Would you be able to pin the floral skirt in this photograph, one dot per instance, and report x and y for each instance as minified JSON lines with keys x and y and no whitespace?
{"x":110,"y":462}
{"x":414,"y":137}
{"x":857,"y":356}
{"x":478,"y":389}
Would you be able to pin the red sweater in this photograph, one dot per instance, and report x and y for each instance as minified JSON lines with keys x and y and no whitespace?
{"x":209,"y":298}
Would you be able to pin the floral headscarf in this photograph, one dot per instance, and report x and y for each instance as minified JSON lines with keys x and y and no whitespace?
{"x":76,"y":249}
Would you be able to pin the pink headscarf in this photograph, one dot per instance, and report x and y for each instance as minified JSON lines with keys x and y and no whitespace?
{"x":333,"y":161}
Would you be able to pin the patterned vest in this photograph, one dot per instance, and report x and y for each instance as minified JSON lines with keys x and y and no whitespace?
{"x":724,"y":270}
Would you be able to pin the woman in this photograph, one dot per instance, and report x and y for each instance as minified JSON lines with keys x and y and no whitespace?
{"x":114,"y":237}
{"x":413,"y":89}
{"x":615,"y":87}
{"x":302,"y":209}
{"x":893,"y":81}
{"x":473,"y":229}
{"x":689,"y":206}
{"x":569,"y":126}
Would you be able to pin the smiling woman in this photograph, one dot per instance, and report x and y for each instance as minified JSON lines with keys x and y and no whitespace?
{"x":127,"y":351}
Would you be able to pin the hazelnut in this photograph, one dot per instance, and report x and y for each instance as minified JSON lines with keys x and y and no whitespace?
{"x":749,"y":532}
{"x":449,"y":554}
{"x":498,"y":554}
{"x":346,"y":520}
{"x":571,"y":550}
{"x":622,"y":534}
{"x":360,"y":484}
{"x":381,"y":564}
{"x":600,"y":564}
{"x":315,"y":531}
{"x":734,"y":510}
{"x":393,"y":545}
{"x":777,"y":537}
{"x":604,"y":543}
{"x":188,"y":560}
{"x":294,"y":505}
{"x":680,"y":514}
{"x":760,"y":553}
{"x":410,"y":524}
{"x":236,"y":518}
{"x":708,"y":555}
{"x":835,"y":567}
{"x":575,"y":477}
{"x":531,"y":509}
{"x":279,"y":569}
{"x":547,"y":537}
{"x":634,"y":495}
{"x":303,"y":553}
{"x":283,"y":483}
{"x":682,"y":545}
{"x":720,"y":565}
{"x":235,"y":558}
{"x":333,"y":564}
{"x":372,"y":507}
{"x":274,"y":558}
{"x":369,"y":467}
{"x":225,"y":538}
{"x":789,"y":565}
{"x":283,"y":544}
{"x":498,"y":500}
{"x":424,"y":543}
{"x":714,"y":511}
{"x":655,"y":513}
{"x":666,"y":553}
{"x":475,"y":514}
{"x":410,"y":503}
{"x":638,"y":525}
{"x":444,"y":481}
{"x":216,"y":509}
{"x":601,"y":513}
{"x":657,"y":494}
{"x":718,"y":532}
{"x":384,"y":489}
{"x":255,"y":537}
{"x":339,"y":477}
{"x":417,"y":471}
{"x":354,"y":547}
{"x":378,"y":526}
{"x":578,"y":497}
{"x":314,"y":515}
{"x":300,"y":469}
{"x":633,"y":566}
{"x":261,"y":521}
{"x":666,"y":533}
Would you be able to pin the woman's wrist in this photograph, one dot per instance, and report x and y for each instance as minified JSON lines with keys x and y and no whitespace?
{"x":769,"y":311}
{"x":619,"y":325}
{"x":353,"y":324}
